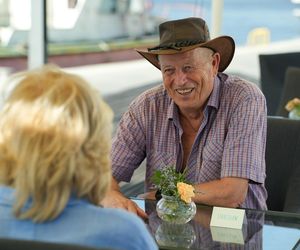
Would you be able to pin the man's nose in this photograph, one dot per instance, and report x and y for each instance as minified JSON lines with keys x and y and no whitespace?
{"x":181,"y":78}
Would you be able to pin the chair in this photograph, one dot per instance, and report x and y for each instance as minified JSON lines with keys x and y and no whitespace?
{"x":18,"y":244}
{"x":272,"y":72}
{"x":291,"y":89}
{"x":282,"y":163}
{"x":292,"y":200}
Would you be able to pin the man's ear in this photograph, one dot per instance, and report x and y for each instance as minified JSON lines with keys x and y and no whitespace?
{"x":216,"y":61}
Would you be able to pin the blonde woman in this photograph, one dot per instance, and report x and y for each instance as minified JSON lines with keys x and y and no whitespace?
{"x":55,"y":137}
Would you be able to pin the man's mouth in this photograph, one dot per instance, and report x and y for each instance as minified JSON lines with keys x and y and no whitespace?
{"x":184,"y":91}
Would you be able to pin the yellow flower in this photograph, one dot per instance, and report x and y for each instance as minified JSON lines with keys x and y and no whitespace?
{"x":185,"y":191}
{"x":292,"y":104}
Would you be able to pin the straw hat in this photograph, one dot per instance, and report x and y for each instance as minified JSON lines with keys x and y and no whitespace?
{"x":182,"y":35}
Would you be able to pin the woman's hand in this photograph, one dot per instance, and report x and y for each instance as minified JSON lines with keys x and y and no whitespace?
{"x":115,"y":199}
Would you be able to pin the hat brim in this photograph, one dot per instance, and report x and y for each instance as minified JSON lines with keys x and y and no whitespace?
{"x":224,"y":45}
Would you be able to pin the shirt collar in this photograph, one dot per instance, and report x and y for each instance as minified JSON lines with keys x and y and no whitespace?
{"x":171,"y":109}
{"x":214,"y":98}
{"x":7,"y":195}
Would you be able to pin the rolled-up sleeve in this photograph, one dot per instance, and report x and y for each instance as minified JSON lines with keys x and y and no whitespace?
{"x":244,"y":146}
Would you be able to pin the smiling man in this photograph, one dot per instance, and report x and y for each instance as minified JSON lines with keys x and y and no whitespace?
{"x":200,"y":119}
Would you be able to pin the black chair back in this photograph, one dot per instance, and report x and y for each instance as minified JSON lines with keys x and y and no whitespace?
{"x":282,"y":159}
{"x":291,"y":89}
{"x":272,"y":72}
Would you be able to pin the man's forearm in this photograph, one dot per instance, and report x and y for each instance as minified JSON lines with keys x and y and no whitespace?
{"x":227,"y":192}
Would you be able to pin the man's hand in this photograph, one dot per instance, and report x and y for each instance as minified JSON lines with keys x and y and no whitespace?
{"x":115,"y":199}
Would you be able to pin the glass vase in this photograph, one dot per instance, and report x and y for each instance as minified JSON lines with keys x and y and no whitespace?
{"x":173,"y":210}
{"x":295,"y":114}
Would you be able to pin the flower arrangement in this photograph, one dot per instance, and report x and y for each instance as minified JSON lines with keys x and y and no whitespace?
{"x":176,"y":205}
{"x":185,"y":191}
{"x":171,"y":183}
{"x":293,"y":106}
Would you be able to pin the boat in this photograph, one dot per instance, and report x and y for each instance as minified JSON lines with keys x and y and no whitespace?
{"x":70,"y":21}
{"x":79,"y":32}
{"x":296,"y":11}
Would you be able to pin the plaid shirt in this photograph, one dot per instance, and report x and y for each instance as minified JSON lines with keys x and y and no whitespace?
{"x":230,"y":141}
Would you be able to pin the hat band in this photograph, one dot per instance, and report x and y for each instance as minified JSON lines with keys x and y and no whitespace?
{"x":165,"y":47}
{"x":177,"y":45}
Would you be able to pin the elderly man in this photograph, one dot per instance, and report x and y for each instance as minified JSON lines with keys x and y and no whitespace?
{"x":202,"y":120}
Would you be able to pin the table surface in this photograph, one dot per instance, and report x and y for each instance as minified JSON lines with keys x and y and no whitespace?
{"x":262,"y":230}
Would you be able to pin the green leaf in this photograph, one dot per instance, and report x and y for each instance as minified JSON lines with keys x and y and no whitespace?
{"x":166,"y":180}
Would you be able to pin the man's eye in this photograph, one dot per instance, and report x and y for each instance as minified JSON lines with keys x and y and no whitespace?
{"x":187,"y":68}
{"x":168,"y":71}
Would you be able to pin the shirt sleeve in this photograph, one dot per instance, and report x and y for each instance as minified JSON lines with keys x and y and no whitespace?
{"x":244,"y":149}
{"x":128,"y":147}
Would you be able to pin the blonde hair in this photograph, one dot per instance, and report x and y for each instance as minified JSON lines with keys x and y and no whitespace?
{"x":55,"y":139}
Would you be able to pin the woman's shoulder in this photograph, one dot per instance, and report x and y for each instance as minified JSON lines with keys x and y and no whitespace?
{"x":122,"y":217}
{"x":119,"y":223}
{"x":92,"y":212}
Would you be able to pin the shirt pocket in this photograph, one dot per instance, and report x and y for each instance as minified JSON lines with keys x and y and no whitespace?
{"x":211,"y":161}
{"x":158,"y":159}
{"x":213,"y":151}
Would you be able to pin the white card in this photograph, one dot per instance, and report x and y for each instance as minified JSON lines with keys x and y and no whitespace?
{"x":227,"y":217}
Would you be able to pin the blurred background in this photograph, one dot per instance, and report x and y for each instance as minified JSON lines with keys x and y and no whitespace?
{"x":85,"y":32}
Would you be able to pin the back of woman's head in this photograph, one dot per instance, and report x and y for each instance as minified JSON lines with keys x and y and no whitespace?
{"x":55,"y":138}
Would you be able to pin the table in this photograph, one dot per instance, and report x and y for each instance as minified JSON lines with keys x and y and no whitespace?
{"x":262,"y":230}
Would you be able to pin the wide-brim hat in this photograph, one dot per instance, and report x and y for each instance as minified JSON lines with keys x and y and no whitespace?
{"x":178,"y":36}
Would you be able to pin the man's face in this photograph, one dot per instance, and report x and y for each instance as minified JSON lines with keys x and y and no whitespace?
{"x":188,"y":77}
